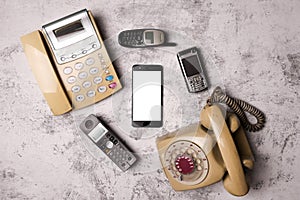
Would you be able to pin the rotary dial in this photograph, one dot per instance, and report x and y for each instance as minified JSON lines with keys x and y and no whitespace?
{"x":187,"y":162}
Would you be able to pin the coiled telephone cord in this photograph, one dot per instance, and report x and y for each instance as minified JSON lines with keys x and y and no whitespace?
{"x":239,"y":107}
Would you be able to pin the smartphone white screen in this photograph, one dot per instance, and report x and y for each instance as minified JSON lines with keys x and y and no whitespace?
{"x":147,"y":96}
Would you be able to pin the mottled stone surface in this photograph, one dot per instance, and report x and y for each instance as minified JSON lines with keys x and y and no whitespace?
{"x":251,"y":48}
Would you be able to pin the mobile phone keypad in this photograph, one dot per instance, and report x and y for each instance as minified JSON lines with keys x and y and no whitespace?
{"x":132,"y":38}
{"x":197,"y":83}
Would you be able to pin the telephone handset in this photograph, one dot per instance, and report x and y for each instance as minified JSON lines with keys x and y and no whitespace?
{"x":70,"y":63}
{"x":205,"y":153}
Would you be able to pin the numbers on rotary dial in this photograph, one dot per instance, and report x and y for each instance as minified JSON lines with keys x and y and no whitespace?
{"x":187,"y":162}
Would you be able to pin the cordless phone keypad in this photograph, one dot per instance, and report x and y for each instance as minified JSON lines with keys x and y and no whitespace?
{"x":134,"y":38}
{"x":197,"y":83}
{"x":118,"y":153}
{"x":88,"y":77}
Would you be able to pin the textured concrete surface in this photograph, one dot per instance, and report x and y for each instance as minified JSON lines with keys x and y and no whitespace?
{"x":250,"y":48}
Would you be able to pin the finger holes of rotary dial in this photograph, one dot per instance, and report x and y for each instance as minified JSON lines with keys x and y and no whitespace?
{"x":186,"y":162}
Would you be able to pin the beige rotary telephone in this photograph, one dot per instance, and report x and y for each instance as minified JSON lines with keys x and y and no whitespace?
{"x":70,"y":62}
{"x":215,"y":149}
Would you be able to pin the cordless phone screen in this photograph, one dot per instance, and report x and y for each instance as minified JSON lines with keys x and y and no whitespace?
{"x":97,"y":133}
{"x":147,"y":95}
{"x":191,"y":65}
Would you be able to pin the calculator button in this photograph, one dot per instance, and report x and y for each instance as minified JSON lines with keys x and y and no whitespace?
{"x":79,"y":97}
{"x":89,"y":61}
{"x":112,"y":85}
{"x":102,"y":89}
{"x":97,"y":80}
{"x":74,"y":56}
{"x":91,"y":93}
{"x":62,"y":58}
{"x":78,"y":66}
{"x":94,"y":70}
{"x":86,"y":84}
{"x":82,"y":75}
{"x":75,"y":88}
{"x":109,"y":144}
{"x":84,"y":51}
{"x":109,"y":78}
{"x":68,"y":70}
{"x":71,"y":79}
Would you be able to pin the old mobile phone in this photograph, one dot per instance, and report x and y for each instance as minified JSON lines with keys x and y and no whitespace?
{"x":108,"y":142}
{"x":141,"y":38}
{"x":190,"y":64}
{"x":147,"y":95}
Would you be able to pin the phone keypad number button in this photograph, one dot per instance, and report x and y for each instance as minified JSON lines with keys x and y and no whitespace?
{"x":97,"y":80}
{"x":68,"y":70}
{"x":78,"y":66}
{"x":91,"y":93}
{"x":82,"y":75}
{"x":75,"y":89}
{"x":94,"y":70}
{"x":90,"y":61}
{"x":86,"y":84}
{"x":79,"y":98}
{"x":102,"y":89}
{"x":71,"y":79}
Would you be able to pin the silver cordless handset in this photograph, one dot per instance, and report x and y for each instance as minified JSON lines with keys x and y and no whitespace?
{"x":108,"y":142}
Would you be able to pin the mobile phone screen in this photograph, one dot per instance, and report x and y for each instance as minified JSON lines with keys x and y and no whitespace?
{"x":147,"y":94}
{"x":191,"y":65}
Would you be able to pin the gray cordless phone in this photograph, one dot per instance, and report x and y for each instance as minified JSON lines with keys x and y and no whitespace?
{"x":108,"y":142}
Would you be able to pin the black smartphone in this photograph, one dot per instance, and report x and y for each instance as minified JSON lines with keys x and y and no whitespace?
{"x":147,"y":95}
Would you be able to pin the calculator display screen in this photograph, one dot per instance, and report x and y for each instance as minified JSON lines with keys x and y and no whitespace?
{"x":191,"y":65}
